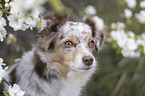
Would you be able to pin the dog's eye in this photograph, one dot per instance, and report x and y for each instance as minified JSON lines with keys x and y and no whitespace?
{"x":68,"y":44}
{"x":91,"y":43}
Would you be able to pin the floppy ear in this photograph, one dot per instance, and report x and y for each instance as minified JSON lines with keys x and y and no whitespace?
{"x":54,"y":22}
{"x":48,"y":34}
{"x":98,"y":35}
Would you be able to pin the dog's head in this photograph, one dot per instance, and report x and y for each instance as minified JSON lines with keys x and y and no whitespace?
{"x":70,"y":44}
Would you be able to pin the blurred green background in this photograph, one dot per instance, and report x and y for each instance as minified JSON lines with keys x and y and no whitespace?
{"x":116,"y":75}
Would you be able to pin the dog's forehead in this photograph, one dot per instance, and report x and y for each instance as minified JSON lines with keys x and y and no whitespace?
{"x":76,"y":28}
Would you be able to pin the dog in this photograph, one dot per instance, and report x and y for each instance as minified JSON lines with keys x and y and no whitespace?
{"x":61,"y":62}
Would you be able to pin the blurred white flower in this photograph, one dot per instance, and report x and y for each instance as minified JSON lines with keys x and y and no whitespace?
{"x":130,"y":53}
{"x":141,"y":16}
{"x":127,"y":42}
{"x":140,"y":41}
{"x":41,"y":24}
{"x":118,"y":25}
{"x":11,"y":38}
{"x":15,"y":90}
{"x":142,"y":4}
{"x":131,"y":44}
{"x":143,"y":36}
{"x":131,"y":3}
{"x":113,"y":26}
{"x":7,"y":0}
{"x":2,"y":21}
{"x":127,"y":13}
{"x":32,"y":4}
{"x":99,"y":22}
{"x":1,"y":13}
{"x":3,"y":33}
{"x":131,"y":34}
{"x":120,"y":37}
{"x":3,"y":72}
{"x":90,"y":10}
{"x":7,"y":5}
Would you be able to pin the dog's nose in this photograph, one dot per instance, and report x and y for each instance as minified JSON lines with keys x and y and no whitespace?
{"x":88,"y":60}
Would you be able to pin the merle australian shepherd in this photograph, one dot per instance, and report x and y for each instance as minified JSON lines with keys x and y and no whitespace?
{"x":61,"y":61}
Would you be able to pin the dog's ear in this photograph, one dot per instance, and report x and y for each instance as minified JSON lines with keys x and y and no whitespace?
{"x":98,"y":35}
{"x":48,"y":34}
{"x":54,"y":22}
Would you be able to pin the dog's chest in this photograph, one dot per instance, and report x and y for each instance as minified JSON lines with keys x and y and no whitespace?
{"x":73,"y":84}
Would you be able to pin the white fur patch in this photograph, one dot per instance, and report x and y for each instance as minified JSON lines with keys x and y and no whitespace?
{"x":75,"y":28}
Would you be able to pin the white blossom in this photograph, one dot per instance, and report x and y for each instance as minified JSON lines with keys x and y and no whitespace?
{"x":24,"y":14}
{"x":15,"y":90}
{"x":143,"y":36}
{"x":99,"y":22}
{"x":2,"y":33}
{"x":7,"y":0}
{"x":118,"y":25}
{"x":3,"y":72}
{"x":131,"y":44}
{"x":127,"y":42}
{"x":141,"y":16}
{"x":90,"y":10}
{"x":16,"y":22}
{"x":1,"y":13}
{"x":113,"y":26}
{"x":11,"y":38}
{"x":131,"y":34}
{"x":142,"y":4}
{"x":141,"y":41}
{"x":120,"y":37}
{"x":131,"y":3}
{"x":2,"y":21}
{"x":130,"y":53}
{"x":41,"y":24}
{"x":127,"y":13}
{"x":7,"y":5}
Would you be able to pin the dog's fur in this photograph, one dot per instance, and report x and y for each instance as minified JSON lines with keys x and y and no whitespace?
{"x":54,"y":67}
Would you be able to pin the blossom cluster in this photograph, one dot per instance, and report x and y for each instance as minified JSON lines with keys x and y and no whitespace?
{"x":2,"y":29}
{"x":15,"y":90}
{"x":24,"y":14}
{"x":91,"y":11}
{"x":131,"y":45}
{"x":12,"y":91}
{"x":3,"y":72}
{"x":140,"y":16}
{"x":21,"y":15}
{"x":131,"y":5}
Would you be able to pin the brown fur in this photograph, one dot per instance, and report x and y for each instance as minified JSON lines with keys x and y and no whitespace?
{"x":40,"y":69}
{"x":98,"y":35}
{"x":49,"y":33}
{"x":91,"y":23}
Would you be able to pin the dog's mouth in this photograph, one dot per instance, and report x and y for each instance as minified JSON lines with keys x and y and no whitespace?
{"x":82,"y":69}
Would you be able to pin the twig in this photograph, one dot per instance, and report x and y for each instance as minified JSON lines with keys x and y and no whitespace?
{"x":6,"y":82}
{"x":6,"y":12}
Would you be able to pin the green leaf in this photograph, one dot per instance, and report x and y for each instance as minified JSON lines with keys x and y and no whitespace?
{"x":6,"y":93}
{"x":1,"y":6}
{"x":57,"y":5}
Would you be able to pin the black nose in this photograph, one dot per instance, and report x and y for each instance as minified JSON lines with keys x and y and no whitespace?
{"x":88,"y":60}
